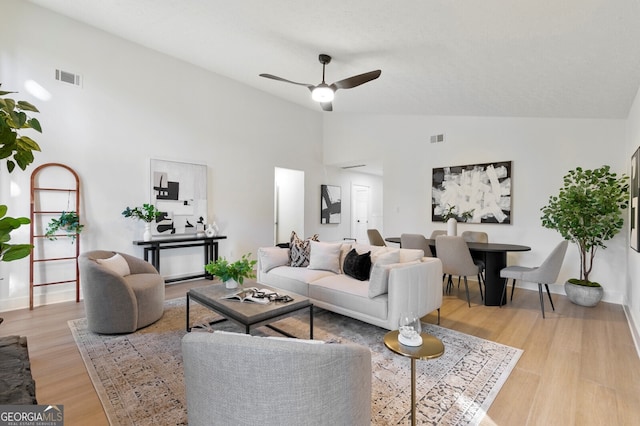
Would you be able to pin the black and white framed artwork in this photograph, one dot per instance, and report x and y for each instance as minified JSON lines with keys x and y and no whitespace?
{"x":330,"y":204}
{"x":179,"y":191}
{"x":475,"y":193}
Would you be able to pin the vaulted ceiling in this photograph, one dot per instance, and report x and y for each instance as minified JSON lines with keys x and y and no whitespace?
{"x":536,"y":58}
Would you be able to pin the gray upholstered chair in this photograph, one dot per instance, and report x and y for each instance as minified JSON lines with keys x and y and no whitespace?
{"x":437,"y":232}
{"x":547,"y":273}
{"x":234,"y":379}
{"x":475,"y":237}
{"x":416,"y":241}
{"x":375,"y":239}
{"x":119,"y":301}
{"x":456,"y":260}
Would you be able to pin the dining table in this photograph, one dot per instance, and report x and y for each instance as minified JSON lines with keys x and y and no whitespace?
{"x":494,"y":256}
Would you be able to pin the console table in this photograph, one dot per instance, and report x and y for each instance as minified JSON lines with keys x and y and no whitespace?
{"x":156,"y":245}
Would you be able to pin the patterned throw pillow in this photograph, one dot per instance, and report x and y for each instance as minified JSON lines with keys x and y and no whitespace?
{"x":299,"y":251}
{"x":357,"y":265}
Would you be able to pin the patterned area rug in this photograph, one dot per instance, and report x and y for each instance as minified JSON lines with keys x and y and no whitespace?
{"x":139,"y":376}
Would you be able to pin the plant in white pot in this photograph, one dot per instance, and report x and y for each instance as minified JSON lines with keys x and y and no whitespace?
{"x":147,"y":213}
{"x":587,"y":211}
{"x":232,"y":273}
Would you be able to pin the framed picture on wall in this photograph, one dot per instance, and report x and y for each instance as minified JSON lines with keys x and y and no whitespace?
{"x":330,"y":204}
{"x":634,"y":212}
{"x":179,"y":191}
{"x":475,"y":193}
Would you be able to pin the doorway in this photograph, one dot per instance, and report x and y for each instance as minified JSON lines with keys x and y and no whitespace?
{"x":288,"y":204}
{"x":360,"y":207}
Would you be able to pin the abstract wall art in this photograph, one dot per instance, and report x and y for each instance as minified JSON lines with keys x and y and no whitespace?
{"x":179,"y":191}
{"x":477,"y":193}
{"x":330,"y":204}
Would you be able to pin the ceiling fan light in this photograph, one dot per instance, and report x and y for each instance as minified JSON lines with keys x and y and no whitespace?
{"x":322,"y":93}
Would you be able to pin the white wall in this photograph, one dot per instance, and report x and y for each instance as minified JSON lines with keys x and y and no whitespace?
{"x":541,"y":151}
{"x":137,"y":104}
{"x":632,"y":294}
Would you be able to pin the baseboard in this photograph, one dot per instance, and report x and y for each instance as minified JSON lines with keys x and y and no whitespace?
{"x":635,"y":335}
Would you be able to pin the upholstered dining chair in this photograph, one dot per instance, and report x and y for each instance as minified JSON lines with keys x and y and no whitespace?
{"x":416,"y":241}
{"x":475,"y":237}
{"x":437,"y":232}
{"x":456,"y":259}
{"x":375,"y":239}
{"x":547,"y":273}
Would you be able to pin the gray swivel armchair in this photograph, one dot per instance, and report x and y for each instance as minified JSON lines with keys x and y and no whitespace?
{"x":456,"y":260}
{"x":117,"y":303}
{"x":547,"y":273}
{"x":416,"y":241}
{"x":239,"y":379}
{"x":375,"y":239}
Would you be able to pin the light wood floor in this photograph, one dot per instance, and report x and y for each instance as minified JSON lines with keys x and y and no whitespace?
{"x":579,"y":365}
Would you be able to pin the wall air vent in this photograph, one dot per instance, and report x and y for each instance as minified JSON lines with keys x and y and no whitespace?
{"x":437,"y":138}
{"x":354,"y":166}
{"x":68,"y":77}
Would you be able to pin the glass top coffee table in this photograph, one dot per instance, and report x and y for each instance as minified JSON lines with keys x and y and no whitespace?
{"x":249,"y":314}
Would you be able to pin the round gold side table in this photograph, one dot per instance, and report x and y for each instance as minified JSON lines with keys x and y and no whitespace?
{"x":431,"y":347}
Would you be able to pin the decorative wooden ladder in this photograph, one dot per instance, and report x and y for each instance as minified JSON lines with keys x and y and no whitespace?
{"x":38,"y":238}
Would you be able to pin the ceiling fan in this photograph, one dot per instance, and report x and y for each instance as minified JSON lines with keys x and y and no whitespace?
{"x":323,"y":92}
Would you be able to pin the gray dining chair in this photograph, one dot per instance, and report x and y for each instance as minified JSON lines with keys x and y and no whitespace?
{"x":416,"y":241}
{"x":437,"y":232}
{"x":547,"y":273}
{"x":456,"y":259}
{"x":475,"y":237}
{"x":375,"y":239}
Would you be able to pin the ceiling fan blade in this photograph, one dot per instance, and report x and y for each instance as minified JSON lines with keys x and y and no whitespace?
{"x":356,"y":80}
{"x":326,"y":106}
{"x":275,"y":77}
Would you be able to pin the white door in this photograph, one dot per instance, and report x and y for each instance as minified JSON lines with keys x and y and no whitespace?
{"x":288,"y":204}
{"x":360,"y":213}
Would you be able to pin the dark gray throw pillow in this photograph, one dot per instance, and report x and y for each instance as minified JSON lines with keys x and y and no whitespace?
{"x":357,"y":265}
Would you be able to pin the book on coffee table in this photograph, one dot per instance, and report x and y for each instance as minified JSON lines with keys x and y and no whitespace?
{"x":253,"y":294}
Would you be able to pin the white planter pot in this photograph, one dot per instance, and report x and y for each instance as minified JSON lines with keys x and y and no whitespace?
{"x":231,"y":283}
{"x":452,"y":227}
{"x":583,"y":295}
{"x":147,"y":232}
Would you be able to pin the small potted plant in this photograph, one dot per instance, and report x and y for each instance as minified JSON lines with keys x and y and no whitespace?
{"x":67,"y":222}
{"x":232,"y":274}
{"x":587,"y":211}
{"x":147,"y":213}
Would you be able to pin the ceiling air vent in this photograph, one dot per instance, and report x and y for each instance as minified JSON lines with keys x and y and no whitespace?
{"x":68,"y":77}
{"x":437,"y":138}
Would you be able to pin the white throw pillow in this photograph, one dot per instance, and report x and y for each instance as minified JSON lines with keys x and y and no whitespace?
{"x":272,"y":257}
{"x":116,"y":264}
{"x":325,"y":256}
{"x":388,"y":257}
{"x":379,"y":279}
{"x":409,"y":255}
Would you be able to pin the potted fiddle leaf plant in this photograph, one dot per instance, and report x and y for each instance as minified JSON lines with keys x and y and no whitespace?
{"x":15,"y":147}
{"x":232,"y":273}
{"x":67,"y":222}
{"x":10,"y":252}
{"x":587,"y":211}
{"x":147,"y":213}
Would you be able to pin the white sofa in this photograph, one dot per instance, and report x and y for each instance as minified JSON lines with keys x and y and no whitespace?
{"x":400,"y":280}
